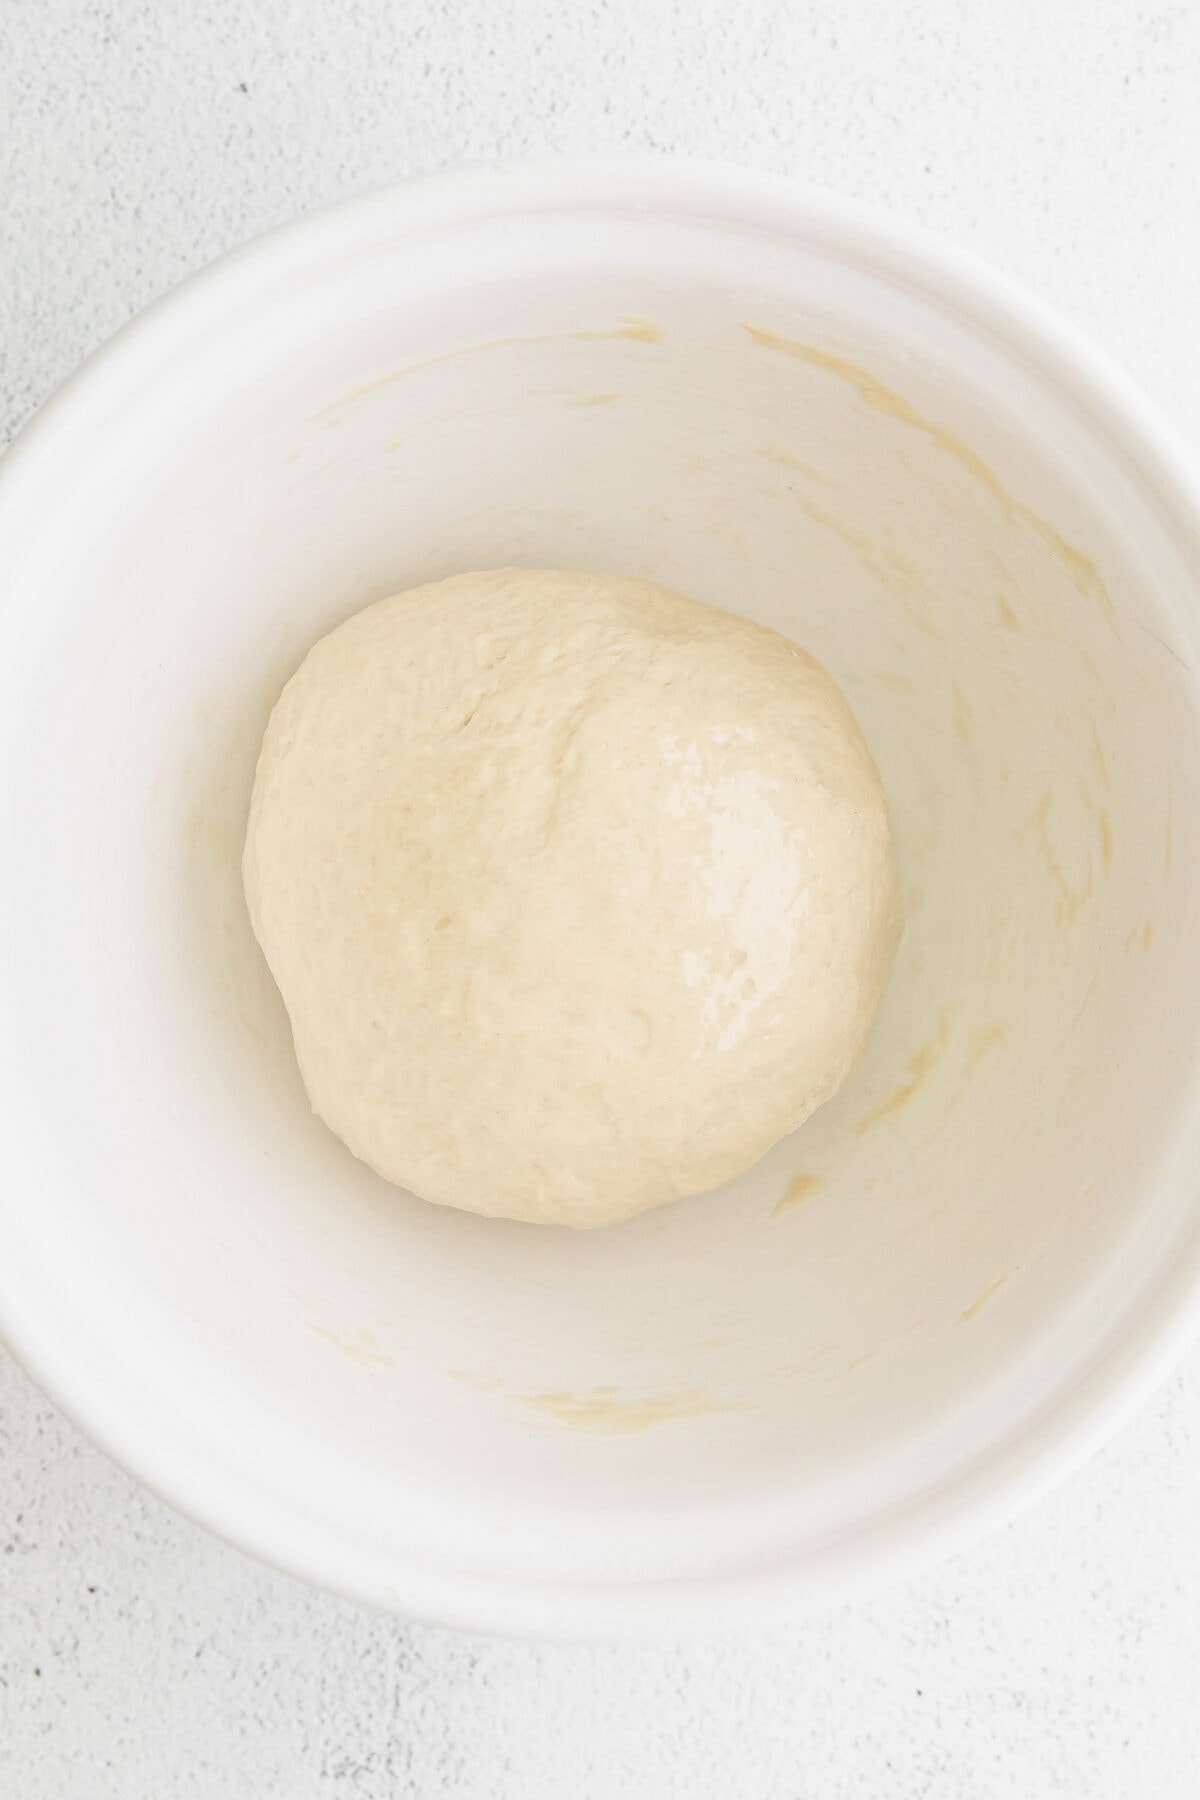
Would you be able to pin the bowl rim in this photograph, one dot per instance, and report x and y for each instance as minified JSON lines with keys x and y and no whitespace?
{"x":1148,"y":1339}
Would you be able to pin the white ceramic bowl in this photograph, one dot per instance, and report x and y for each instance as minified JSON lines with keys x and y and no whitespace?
{"x":963,"y":1270}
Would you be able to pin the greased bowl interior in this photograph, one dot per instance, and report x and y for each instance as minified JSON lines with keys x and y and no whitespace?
{"x":962,"y":1269}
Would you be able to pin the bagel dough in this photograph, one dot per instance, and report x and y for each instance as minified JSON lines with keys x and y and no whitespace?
{"x":577,"y":891}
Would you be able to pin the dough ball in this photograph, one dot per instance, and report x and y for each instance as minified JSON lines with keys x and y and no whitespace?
{"x":577,"y":891}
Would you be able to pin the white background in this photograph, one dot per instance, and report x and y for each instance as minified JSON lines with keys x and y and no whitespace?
{"x":140,"y":1659}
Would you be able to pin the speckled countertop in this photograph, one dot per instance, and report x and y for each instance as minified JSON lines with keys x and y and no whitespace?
{"x":140,"y":1659}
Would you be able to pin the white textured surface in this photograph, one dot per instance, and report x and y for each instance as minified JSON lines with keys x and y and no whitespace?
{"x":138,"y":1658}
